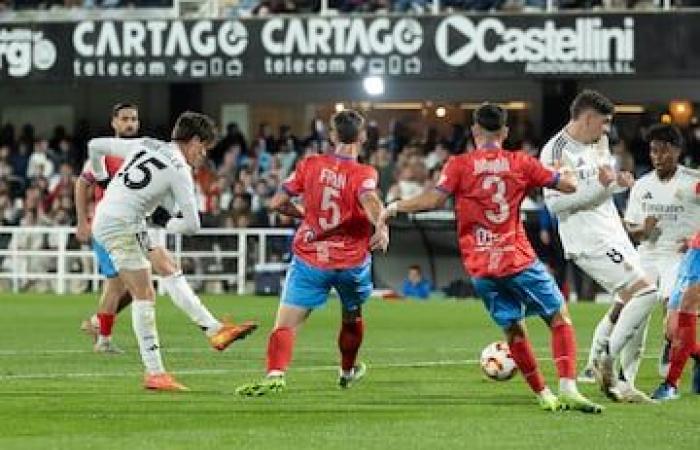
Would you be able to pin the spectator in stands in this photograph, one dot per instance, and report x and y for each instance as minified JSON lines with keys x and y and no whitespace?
{"x":437,"y":156}
{"x":233,"y":140}
{"x":383,"y":162}
{"x":287,"y":156}
{"x":40,"y":164}
{"x":414,"y":285}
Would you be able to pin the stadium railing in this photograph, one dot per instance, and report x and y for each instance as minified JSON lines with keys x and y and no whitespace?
{"x":52,"y":255}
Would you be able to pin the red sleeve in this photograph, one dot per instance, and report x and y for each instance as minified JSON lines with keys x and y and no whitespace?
{"x":367,"y":180}
{"x":449,"y":177}
{"x":539,"y":175}
{"x":294,"y":184}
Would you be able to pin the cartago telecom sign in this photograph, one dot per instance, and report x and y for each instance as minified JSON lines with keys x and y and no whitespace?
{"x":297,"y":48}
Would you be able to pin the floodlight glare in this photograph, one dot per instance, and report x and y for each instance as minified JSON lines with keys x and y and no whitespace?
{"x":373,"y":85}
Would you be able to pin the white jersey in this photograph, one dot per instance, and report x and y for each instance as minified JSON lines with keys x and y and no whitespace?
{"x":588,"y":218}
{"x":153,"y":173}
{"x":677,"y":219}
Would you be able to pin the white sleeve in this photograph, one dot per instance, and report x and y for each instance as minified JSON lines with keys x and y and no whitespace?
{"x":183,"y":191}
{"x":634,"y":214}
{"x":98,"y":148}
{"x":587,"y":194}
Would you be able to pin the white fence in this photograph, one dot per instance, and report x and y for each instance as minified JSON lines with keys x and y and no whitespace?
{"x":43,"y":254}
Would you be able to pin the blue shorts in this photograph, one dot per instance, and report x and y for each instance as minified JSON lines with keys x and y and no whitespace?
{"x":104,"y":261}
{"x":530,"y":292}
{"x":307,"y":286}
{"x":688,"y":275}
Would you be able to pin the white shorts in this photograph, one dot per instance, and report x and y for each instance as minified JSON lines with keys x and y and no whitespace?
{"x":614,"y":266}
{"x":127,"y":244}
{"x":663,"y":270}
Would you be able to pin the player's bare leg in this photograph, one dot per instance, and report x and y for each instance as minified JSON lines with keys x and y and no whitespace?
{"x":143,"y":315}
{"x":563,"y":343}
{"x":280,"y":345}
{"x":349,"y":342}
{"x":524,"y":357}
{"x":221,"y":334}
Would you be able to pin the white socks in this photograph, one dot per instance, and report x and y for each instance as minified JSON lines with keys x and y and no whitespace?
{"x":600,"y":338}
{"x":568,"y":386}
{"x":632,"y":318}
{"x":631,"y":354}
{"x":143,"y":320}
{"x":184,"y":298}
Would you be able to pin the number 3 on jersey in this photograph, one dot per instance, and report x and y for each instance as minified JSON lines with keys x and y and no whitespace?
{"x":329,"y":203}
{"x":498,"y":198}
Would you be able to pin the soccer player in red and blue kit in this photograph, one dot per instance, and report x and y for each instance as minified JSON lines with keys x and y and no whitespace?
{"x":685,"y":299}
{"x":489,"y":184}
{"x":331,"y":250}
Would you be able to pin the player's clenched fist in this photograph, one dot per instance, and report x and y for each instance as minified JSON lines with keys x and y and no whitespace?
{"x":625,"y":179}
{"x":606,"y":175}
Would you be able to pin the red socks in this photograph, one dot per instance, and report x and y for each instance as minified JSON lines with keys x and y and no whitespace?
{"x":683,"y":346}
{"x":564,"y":349}
{"x":279,"y":349}
{"x":524,"y":357}
{"x":349,"y":341}
{"x":106,"y":323}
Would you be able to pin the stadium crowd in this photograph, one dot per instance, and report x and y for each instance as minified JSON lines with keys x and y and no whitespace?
{"x":37,"y":176}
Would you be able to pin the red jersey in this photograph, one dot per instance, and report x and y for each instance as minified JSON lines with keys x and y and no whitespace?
{"x":335,"y":231}
{"x":694,"y":242}
{"x":488,"y":186}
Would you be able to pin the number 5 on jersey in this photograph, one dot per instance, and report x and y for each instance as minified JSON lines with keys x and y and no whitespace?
{"x":329,"y":203}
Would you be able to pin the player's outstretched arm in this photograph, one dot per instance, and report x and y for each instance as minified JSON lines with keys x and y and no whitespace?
{"x":82,"y":194}
{"x":430,"y":199}
{"x":374,"y":208}
{"x":283,"y":204}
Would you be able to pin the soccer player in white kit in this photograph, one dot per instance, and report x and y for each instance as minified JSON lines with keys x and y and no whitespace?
{"x":662,"y":223}
{"x":153,"y":173}
{"x":593,"y":235}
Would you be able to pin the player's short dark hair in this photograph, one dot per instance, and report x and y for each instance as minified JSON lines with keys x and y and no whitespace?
{"x":348,"y":125}
{"x":415,"y":267}
{"x":123,"y":105}
{"x":192,"y":124}
{"x":589,"y":99}
{"x":490,"y":117}
{"x":665,"y":133}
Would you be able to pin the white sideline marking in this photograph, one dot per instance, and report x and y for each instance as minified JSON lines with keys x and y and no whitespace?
{"x":322,"y":368}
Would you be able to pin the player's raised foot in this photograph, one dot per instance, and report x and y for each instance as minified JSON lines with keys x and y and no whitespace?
{"x":665,"y":392}
{"x":549,"y":401}
{"x":268,"y":385}
{"x":575,"y":401}
{"x":665,"y":359}
{"x":696,"y":376}
{"x":587,"y":376}
{"x":345,"y":380}
{"x":87,"y":327}
{"x":630,"y":394}
{"x":229,"y":333}
{"x":162,"y":382}
{"x":107,"y":347}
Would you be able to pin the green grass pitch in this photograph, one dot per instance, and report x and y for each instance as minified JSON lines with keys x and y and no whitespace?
{"x":424,"y":389}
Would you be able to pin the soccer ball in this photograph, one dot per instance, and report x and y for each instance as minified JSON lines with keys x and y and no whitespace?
{"x":496,"y":362}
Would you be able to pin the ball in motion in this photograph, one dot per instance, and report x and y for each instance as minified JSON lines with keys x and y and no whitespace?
{"x":497,"y":363}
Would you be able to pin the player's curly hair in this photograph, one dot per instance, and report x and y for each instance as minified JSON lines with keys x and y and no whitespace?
{"x":192,"y":124}
{"x":665,"y":133}
{"x":589,"y":99}
{"x":348,"y":125}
